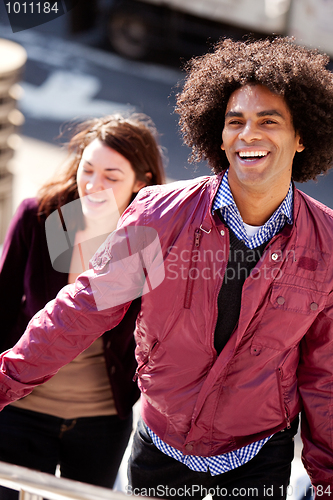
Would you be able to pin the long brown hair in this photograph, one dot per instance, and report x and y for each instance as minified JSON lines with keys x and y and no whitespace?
{"x":135,"y":137}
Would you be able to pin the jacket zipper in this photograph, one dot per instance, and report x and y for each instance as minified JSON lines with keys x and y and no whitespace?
{"x":193,"y":265}
{"x":145,"y":363}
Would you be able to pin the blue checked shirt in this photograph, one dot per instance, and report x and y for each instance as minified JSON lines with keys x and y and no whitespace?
{"x":230,"y":213}
{"x":226,"y":203}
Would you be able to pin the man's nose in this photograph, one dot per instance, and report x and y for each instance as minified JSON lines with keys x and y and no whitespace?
{"x":250,"y":132}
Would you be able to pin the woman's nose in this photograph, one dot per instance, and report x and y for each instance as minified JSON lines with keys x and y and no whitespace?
{"x":95,"y":184}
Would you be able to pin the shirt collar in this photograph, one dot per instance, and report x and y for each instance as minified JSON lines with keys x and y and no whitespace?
{"x":224,"y":198}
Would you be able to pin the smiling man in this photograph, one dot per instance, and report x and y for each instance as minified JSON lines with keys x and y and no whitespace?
{"x":235,"y":336}
{"x":260,"y":143}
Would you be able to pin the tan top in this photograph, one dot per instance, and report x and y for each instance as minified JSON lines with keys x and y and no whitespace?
{"x":79,"y":389}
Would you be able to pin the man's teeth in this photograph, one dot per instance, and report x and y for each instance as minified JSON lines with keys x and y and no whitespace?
{"x":252,"y":154}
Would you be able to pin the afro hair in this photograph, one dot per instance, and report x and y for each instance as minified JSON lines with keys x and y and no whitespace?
{"x":298,"y":74}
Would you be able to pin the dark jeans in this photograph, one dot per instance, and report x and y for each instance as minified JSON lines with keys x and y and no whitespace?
{"x":87,"y":449}
{"x":266,"y":476}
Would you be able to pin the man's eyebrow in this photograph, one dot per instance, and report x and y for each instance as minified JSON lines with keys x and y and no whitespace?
{"x":268,"y":112}
{"x":232,"y":114}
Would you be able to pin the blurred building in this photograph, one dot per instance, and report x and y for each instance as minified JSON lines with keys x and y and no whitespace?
{"x":12,"y":61}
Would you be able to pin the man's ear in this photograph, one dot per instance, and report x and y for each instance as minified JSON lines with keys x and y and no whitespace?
{"x":300,"y":146}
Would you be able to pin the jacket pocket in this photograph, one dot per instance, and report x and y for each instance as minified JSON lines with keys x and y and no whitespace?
{"x":288,"y":314}
{"x":193,"y":265}
{"x":141,"y":367}
{"x":297,"y":299}
{"x":287,"y":382}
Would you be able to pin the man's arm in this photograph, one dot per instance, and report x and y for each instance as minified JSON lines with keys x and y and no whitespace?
{"x":54,"y":337}
{"x":315,"y":380}
{"x":128,"y":265}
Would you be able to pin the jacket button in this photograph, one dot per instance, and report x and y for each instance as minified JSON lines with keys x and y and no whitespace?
{"x":280,"y":300}
{"x":255,"y":351}
{"x":313,"y":306}
{"x":222,"y":232}
{"x":189,"y":447}
{"x":275,"y":256}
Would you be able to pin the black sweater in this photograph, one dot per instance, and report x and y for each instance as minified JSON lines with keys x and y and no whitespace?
{"x":240,"y":264}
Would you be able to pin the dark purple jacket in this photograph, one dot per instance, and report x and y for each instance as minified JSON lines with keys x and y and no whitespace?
{"x":28,"y":281}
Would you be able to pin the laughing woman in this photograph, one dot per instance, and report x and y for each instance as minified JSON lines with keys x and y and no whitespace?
{"x":80,"y":420}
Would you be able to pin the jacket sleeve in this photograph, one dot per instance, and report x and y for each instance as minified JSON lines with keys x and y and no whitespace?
{"x":128,"y":265}
{"x":315,"y":381}
{"x":54,"y":337}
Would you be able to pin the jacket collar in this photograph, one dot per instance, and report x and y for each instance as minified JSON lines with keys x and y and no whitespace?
{"x":213,"y":186}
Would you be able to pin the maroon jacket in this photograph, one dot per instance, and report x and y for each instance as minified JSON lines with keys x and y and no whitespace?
{"x":277,"y":363}
{"x":28,"y":281}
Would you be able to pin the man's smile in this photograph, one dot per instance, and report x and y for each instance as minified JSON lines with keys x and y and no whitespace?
{"x":251,"y":156}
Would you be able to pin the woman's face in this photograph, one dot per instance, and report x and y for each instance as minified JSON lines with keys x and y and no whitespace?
{"x":105,"y":180}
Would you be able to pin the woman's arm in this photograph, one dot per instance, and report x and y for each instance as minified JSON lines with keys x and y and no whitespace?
{"x":13,"y":263}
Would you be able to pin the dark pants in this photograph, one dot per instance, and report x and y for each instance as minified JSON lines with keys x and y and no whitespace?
{"x":266,"y":476}
{"x":87,"y":449}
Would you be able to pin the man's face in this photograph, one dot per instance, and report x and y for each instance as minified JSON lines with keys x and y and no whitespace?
{"x":259,"y":140}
